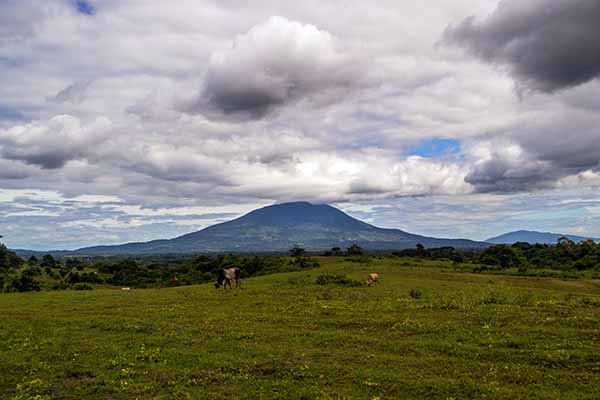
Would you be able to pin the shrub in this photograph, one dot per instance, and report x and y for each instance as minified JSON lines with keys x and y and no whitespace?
{"x":83,"y":286}
{"x":415,"y":293}
{"x":59,"y":286}
{"x":8,"y":259}
{"x":355,"y":250}
{"x":342,"y":280}
{"x":25,"y":282}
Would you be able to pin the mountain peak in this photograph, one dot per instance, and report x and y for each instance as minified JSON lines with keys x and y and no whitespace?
{"x":302,"y":212}
{"x":280,"y":226}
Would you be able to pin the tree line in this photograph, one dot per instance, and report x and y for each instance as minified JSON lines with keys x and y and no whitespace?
{"x":49,"y":272}
{"x":565,"y":255}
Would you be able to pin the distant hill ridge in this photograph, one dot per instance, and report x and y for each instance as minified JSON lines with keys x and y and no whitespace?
{"x":534,"y":237}
{"x":278,"y":227}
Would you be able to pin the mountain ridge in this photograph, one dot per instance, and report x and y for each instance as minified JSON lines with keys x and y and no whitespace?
{"x":534,"y":237}
{"x":278,"y":227}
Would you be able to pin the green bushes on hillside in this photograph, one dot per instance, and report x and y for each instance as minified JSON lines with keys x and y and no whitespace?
{"x":141,"y":272}
{"x":566,"y":255}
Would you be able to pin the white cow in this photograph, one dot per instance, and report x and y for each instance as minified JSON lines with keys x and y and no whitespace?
{"x":225,"y":276}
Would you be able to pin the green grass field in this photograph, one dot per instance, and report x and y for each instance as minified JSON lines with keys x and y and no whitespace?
{"x":458,"y":336}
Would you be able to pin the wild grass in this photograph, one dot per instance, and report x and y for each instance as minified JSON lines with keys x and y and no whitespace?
{"x":286,"y":336}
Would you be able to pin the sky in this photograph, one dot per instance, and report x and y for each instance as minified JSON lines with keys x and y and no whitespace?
{"x":131,"y":120}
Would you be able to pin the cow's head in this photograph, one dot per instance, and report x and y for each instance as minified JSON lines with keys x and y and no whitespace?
{"x":217,"y":284}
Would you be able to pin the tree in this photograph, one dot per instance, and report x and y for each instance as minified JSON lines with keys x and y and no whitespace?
{"x":25,"y":282}
{"x":48,"y":261}
{"x":297,"y":251}
{"x":32,"y":260}
{"x":502,"y":255}
{"x":421,"y":252}
{"x":355,"y":250}
{"x":8,"y":259}
{"x":76,"y":263}
{"x":565,"y":242}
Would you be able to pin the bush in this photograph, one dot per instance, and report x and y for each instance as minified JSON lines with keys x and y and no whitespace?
{"x":355,"y":250}
{"x":415,"y":293}
{"x":83,"y":286}
{"x":59,"y":286}
{"x":25,"y":282}
{"x":8,"y":259}
{"x":342,"y":280}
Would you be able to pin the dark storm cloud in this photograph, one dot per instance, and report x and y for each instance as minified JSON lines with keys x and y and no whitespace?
{"x":46,"y":160}
{"x":547,"y":44}
{"x":274,"y":63}
{"x":537,"y":155}
{"x":500,"y":175}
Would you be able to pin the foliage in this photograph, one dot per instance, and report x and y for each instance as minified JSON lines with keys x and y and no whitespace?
{"x":143,"y":272}
{"x":355,"y":250}
{"x":336,"y":279}
{"x":8,"y":260}
{"x":521,"y":256}
{"x":297,"y":251}
{"x":24,"y":282}
{"x":83,"y":286}
{"x":49,"y":261}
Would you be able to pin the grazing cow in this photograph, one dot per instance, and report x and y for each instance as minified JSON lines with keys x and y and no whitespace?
{"x":225,"y":276}
{"x":372,"y":278}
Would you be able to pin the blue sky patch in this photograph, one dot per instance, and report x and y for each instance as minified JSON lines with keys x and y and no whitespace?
{"x":10,"y":114}
{"x":436,"y":148}
{"x":85,"y":8}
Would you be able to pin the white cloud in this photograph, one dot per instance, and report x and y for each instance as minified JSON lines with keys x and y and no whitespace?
{"x":51,"y":144}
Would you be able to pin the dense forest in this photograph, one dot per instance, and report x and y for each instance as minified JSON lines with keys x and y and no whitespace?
{"x":564,"y":259}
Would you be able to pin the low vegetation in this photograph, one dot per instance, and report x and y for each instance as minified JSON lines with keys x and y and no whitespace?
{"x":566,"y":259}
{"x":426,"y":331}
{"x":566,"y":256}
{"x":81,"y":273}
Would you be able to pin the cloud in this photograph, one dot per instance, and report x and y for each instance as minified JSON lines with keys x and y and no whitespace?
{"x":547,"y":45}
{"x":415,"y":176}
{"x":15,"y":170}
{"x":538,"y":152}
{"x":73,"y":93}
{"x":327,"y":103}
{"x":503,"y":166}
{"x":274,"y":63}
{"x":51,"y":144}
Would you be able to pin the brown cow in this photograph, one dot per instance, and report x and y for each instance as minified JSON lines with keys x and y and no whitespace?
{"x":372,"y":278}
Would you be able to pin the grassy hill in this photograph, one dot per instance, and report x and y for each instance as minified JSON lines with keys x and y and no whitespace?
{"x":425,"y":332}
